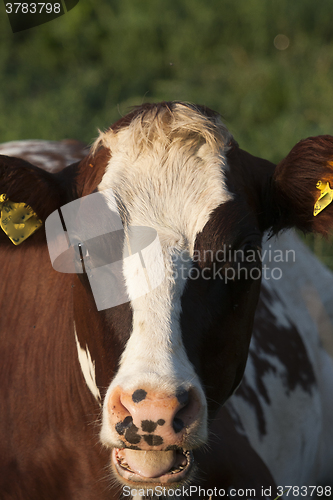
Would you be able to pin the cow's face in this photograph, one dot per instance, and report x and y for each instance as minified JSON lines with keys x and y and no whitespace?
{"x":188,"y":338}
{"x":182,"y":348}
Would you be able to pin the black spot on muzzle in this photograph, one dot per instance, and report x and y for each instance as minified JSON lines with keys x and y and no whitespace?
{"x":153,"y":440}
{"x":139,"y":395}
{"x":148,"y":425}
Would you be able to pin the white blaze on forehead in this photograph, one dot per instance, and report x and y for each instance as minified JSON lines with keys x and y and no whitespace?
{"x":168,"y":174}
{"x":88,"y":368}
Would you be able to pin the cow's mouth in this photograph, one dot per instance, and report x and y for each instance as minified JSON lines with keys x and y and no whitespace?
{"x":159,"y":467}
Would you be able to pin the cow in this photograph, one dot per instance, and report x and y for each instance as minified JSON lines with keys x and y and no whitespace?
{"x":215,"y":380}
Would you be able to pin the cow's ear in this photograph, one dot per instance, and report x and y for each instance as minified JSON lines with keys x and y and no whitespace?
{"x":299,"y":180}
{"x":45,"y":192}
{"x":22,"y":182}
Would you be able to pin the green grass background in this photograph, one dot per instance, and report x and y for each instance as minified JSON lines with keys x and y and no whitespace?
{"x":83,"y":70}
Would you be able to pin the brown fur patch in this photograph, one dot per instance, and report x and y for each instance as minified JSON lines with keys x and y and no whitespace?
{"x":294,"y":186}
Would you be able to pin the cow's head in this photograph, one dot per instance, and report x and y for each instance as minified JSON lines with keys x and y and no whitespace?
{"x":163,"y":361}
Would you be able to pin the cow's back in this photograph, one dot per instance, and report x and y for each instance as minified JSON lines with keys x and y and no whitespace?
{"x":284,"y":404}
{"x":52,"y":156}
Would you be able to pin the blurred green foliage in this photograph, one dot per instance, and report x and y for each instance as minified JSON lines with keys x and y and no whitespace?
{"x":322,"y":247}
{"x":83,"y":70}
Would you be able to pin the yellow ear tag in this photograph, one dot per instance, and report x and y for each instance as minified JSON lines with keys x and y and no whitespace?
{"x":325,"y":198}
{"x":17,"y":220}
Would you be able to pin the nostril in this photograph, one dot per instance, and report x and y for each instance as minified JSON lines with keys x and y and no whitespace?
{"x":177,"y":424}
{"x":188,"y":410}
{"x":183,"y":396}
{"x":121,"y":427}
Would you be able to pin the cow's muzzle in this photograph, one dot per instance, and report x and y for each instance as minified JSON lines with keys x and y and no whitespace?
{"x":155,"y":467}
{"x":155,"y":421}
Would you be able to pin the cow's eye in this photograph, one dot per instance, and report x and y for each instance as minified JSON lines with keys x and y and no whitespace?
{"x":250,"y":252}
{"x":244,"y":264}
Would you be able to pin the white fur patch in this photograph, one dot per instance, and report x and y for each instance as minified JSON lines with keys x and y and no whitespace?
{"x":88,"y":368}
{"x":320,"y":317}
{"x":168,"y":177}
{"x":168,"y":173}
{"x":298,"y":444}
